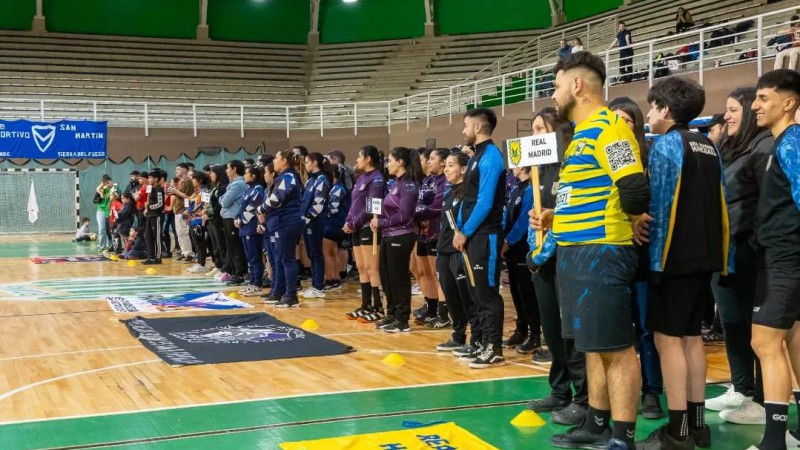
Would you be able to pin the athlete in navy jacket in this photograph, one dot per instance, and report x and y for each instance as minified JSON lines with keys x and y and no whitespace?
{"x":313,"y":208}
{"x":247,"y":223}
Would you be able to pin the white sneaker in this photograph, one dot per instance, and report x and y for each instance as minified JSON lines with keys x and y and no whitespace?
{"x":197,"y":268}
{"x":791,"y":441}
{"x":251,"y":291}
{"x":415,"y":290}
{"x":213,"y":272}
{"x":247,"y":288}
{"x":193,"y":269}
{"x":729,"y":400}
{"x":750,"y":413}
{"x":313,"y":293}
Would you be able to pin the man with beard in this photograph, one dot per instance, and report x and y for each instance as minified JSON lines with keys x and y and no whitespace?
{"x":479,"y":224}
{"x":602,"y":190}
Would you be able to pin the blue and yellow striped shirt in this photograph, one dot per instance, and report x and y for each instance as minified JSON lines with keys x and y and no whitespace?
{"x":588,"y":208}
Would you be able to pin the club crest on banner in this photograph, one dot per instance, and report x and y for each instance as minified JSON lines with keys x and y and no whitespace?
{"x":43,"y":136}
{"x":240,"y":334}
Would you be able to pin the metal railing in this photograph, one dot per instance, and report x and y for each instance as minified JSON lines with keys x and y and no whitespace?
{"x":528,"y":84}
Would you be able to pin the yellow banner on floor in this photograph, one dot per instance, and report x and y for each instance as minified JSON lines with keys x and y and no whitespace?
{"x":446,"y":436}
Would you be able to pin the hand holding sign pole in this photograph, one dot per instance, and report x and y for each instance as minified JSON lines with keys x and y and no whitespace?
{"x":452,"y":223}
{"x":374,"y":207}
{"x":533,"y":151}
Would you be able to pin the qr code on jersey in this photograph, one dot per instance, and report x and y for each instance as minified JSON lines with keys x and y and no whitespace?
{"x":619,"y":155}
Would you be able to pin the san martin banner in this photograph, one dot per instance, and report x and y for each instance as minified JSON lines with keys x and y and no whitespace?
{"x":53,"y":140}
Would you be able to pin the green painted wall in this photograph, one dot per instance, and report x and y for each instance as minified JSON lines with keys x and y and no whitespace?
{"x":17,"y":14}
{"x":579,"y":9}
{"x":370,"y":20}
{"x":279,"y":21}
{"x":489,"y":16}
{"x":154,"y":18}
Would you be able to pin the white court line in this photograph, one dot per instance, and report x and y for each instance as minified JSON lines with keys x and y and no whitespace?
{"x":70,"y":375}
{"x":374,"y":334}
{"x":30,"y":239}
{"x":13,"y":358}
{"x":235,"y":402}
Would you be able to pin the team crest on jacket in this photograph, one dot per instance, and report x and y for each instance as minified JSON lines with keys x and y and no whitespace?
{"x":514,"y":151}
{"x":240,"y":334}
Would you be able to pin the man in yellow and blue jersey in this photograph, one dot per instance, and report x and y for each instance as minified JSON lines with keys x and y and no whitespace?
{"x":602,"y":188}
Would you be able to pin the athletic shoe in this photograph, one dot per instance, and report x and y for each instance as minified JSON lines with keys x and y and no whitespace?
{"x":313,"y":293}
{"x":252,"y":291}
{"x":448,"y":346}
{"x":749,"y":413}
{"x":530,"y":345}
{"x":651,"y":407}
{"x":577,"y":437}
{"x":397,"y":327}
{"x":573,"y":414}
{"x":548,"y":404}
{"x":197,"y":268}
{"x":729,"y":400}
{"x":271,"y":299}
{"x":385,"y":322}
{"x":465,"y":351}
{"x":235,"y":280}
{"x":179,"y":257}
{"x":616,"y":444}
{"x":415,"y":290}
{"x":353,"y":315}
{"x":371,"y":315}
{"x":660,"y":439}
{"x":542,"y":356}
{"x":488,"y":357}
{"x":149,"y":262}
{"x":436,"y":323}
{"x":420,"y":313}
{"x":517,"y":338}
{"x":213,"y":272}
{"x":334,"y":285}
{"x":792,"y":442}
{"x":702,"y":436}
{"x":188,"y":259}
{"x":288,"y":302}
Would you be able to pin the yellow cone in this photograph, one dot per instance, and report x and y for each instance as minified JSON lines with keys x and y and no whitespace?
{"x":151,"y":271}
{"x":113,"y":257}
{"x":132,"y":263}
{"x":310,"y":325}
{"x":393,"y":359}
{"x":528,"y":419}
{"x":232,"y":295}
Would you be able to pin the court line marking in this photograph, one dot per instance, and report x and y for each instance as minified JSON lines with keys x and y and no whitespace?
{"x":369,"y":331}
{"x":280,"y":397}
{"x":14,"y":358}
{"x":265,"y":427}
{"x":30,"y":239}
{"x":70,"y":375}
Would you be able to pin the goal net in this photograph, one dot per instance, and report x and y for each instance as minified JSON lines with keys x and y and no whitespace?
{"x":38,"y":200}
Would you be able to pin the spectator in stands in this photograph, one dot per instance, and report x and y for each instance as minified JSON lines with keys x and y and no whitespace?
{"x":717,"y":129}
{"x":577,"y":45}
{"x":564,"y":49}
{"x":624,"y":42}
{"x":683,"y":20}
{"x":792,"y":52}
{"x":102,"y":199}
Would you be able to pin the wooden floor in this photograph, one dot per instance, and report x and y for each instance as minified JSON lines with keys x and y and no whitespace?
{"x":61,"y":358}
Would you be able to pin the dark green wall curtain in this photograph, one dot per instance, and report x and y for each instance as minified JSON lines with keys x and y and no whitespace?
{"x":278,"y":21}
{"x":370,"y":20}
{"x":580,"y":9}
{"x":489,"y":16}
{"x":17,"y":14}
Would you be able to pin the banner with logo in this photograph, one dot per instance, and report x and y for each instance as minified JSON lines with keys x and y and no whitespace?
{"x":445,"y":436}
{"x":186,"y":341}
{"x":53,"y":140}
{"x":194,"y":301}
{"x":67,"y":259}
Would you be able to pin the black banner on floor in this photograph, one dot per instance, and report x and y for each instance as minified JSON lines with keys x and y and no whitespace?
{"x":187,"y":341}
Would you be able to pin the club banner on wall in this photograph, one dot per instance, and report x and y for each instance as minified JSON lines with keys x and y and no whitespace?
{"x":53,"y":140}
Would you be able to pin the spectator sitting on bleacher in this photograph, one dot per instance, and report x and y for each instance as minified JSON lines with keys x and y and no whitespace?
{"x":577,"y":45}
{"x":794,"y":51}
{"x":564,"y":49}
{"x":683,"y":20}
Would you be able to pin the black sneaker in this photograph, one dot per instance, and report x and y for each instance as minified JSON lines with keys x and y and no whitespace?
{"x":371,"y":315}
{"x":235,"y":281}
{"x":466,"y":351}
{"x":571,"y":415}
{"x":517,"y":338}
{"x":651,"y":407}
{"x":397,"y":327}
{"x":188,"y":259}
{"x":421,"y":313}
{"x":385,"y":322}
{"x":577,"y":437}
{"x":355,"y":314}
{"x":149,"y":262}
{"x":271,"y":299}
{"x":488,"y":357}
{"x":542,"y":356}
{"x":701,"y":436}
{"x":661,"y":439}
{"x":288,"y":302}
{"x":548,"y":404}
{"x":531,"y":343}
{"x":334,"y":285}
{"x":448,"y":346}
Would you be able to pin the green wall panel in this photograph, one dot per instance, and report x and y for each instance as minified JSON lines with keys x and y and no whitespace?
{"x":489,"y":16}
{"x":370,"y":20}
{"x":152,"y":18}
{"x":17,"y":14}
{"x":579,"y":9}
{"x":278,"y":21}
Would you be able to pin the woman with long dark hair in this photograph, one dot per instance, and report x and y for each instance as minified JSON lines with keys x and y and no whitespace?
{"x":197,"y":228}
{"x":315,"y":200}
{"x":247,"y":224}
{"x":396,"y":224}
{"x":335,"y":244}
{"x":269,"y":240}
{"x":284,"y":223}
{"x":213,"y":219}
{"x":745,"y":155}
{"x":370,"y":184}
{"x":450,"y":268}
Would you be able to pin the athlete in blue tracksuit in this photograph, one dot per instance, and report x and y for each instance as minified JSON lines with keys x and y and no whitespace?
{"x":246,"y":220}
{"x":338,"y":206}
{"x":269,"y":239}
{"x":284,"y":224}
{"x":313,"y":207}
